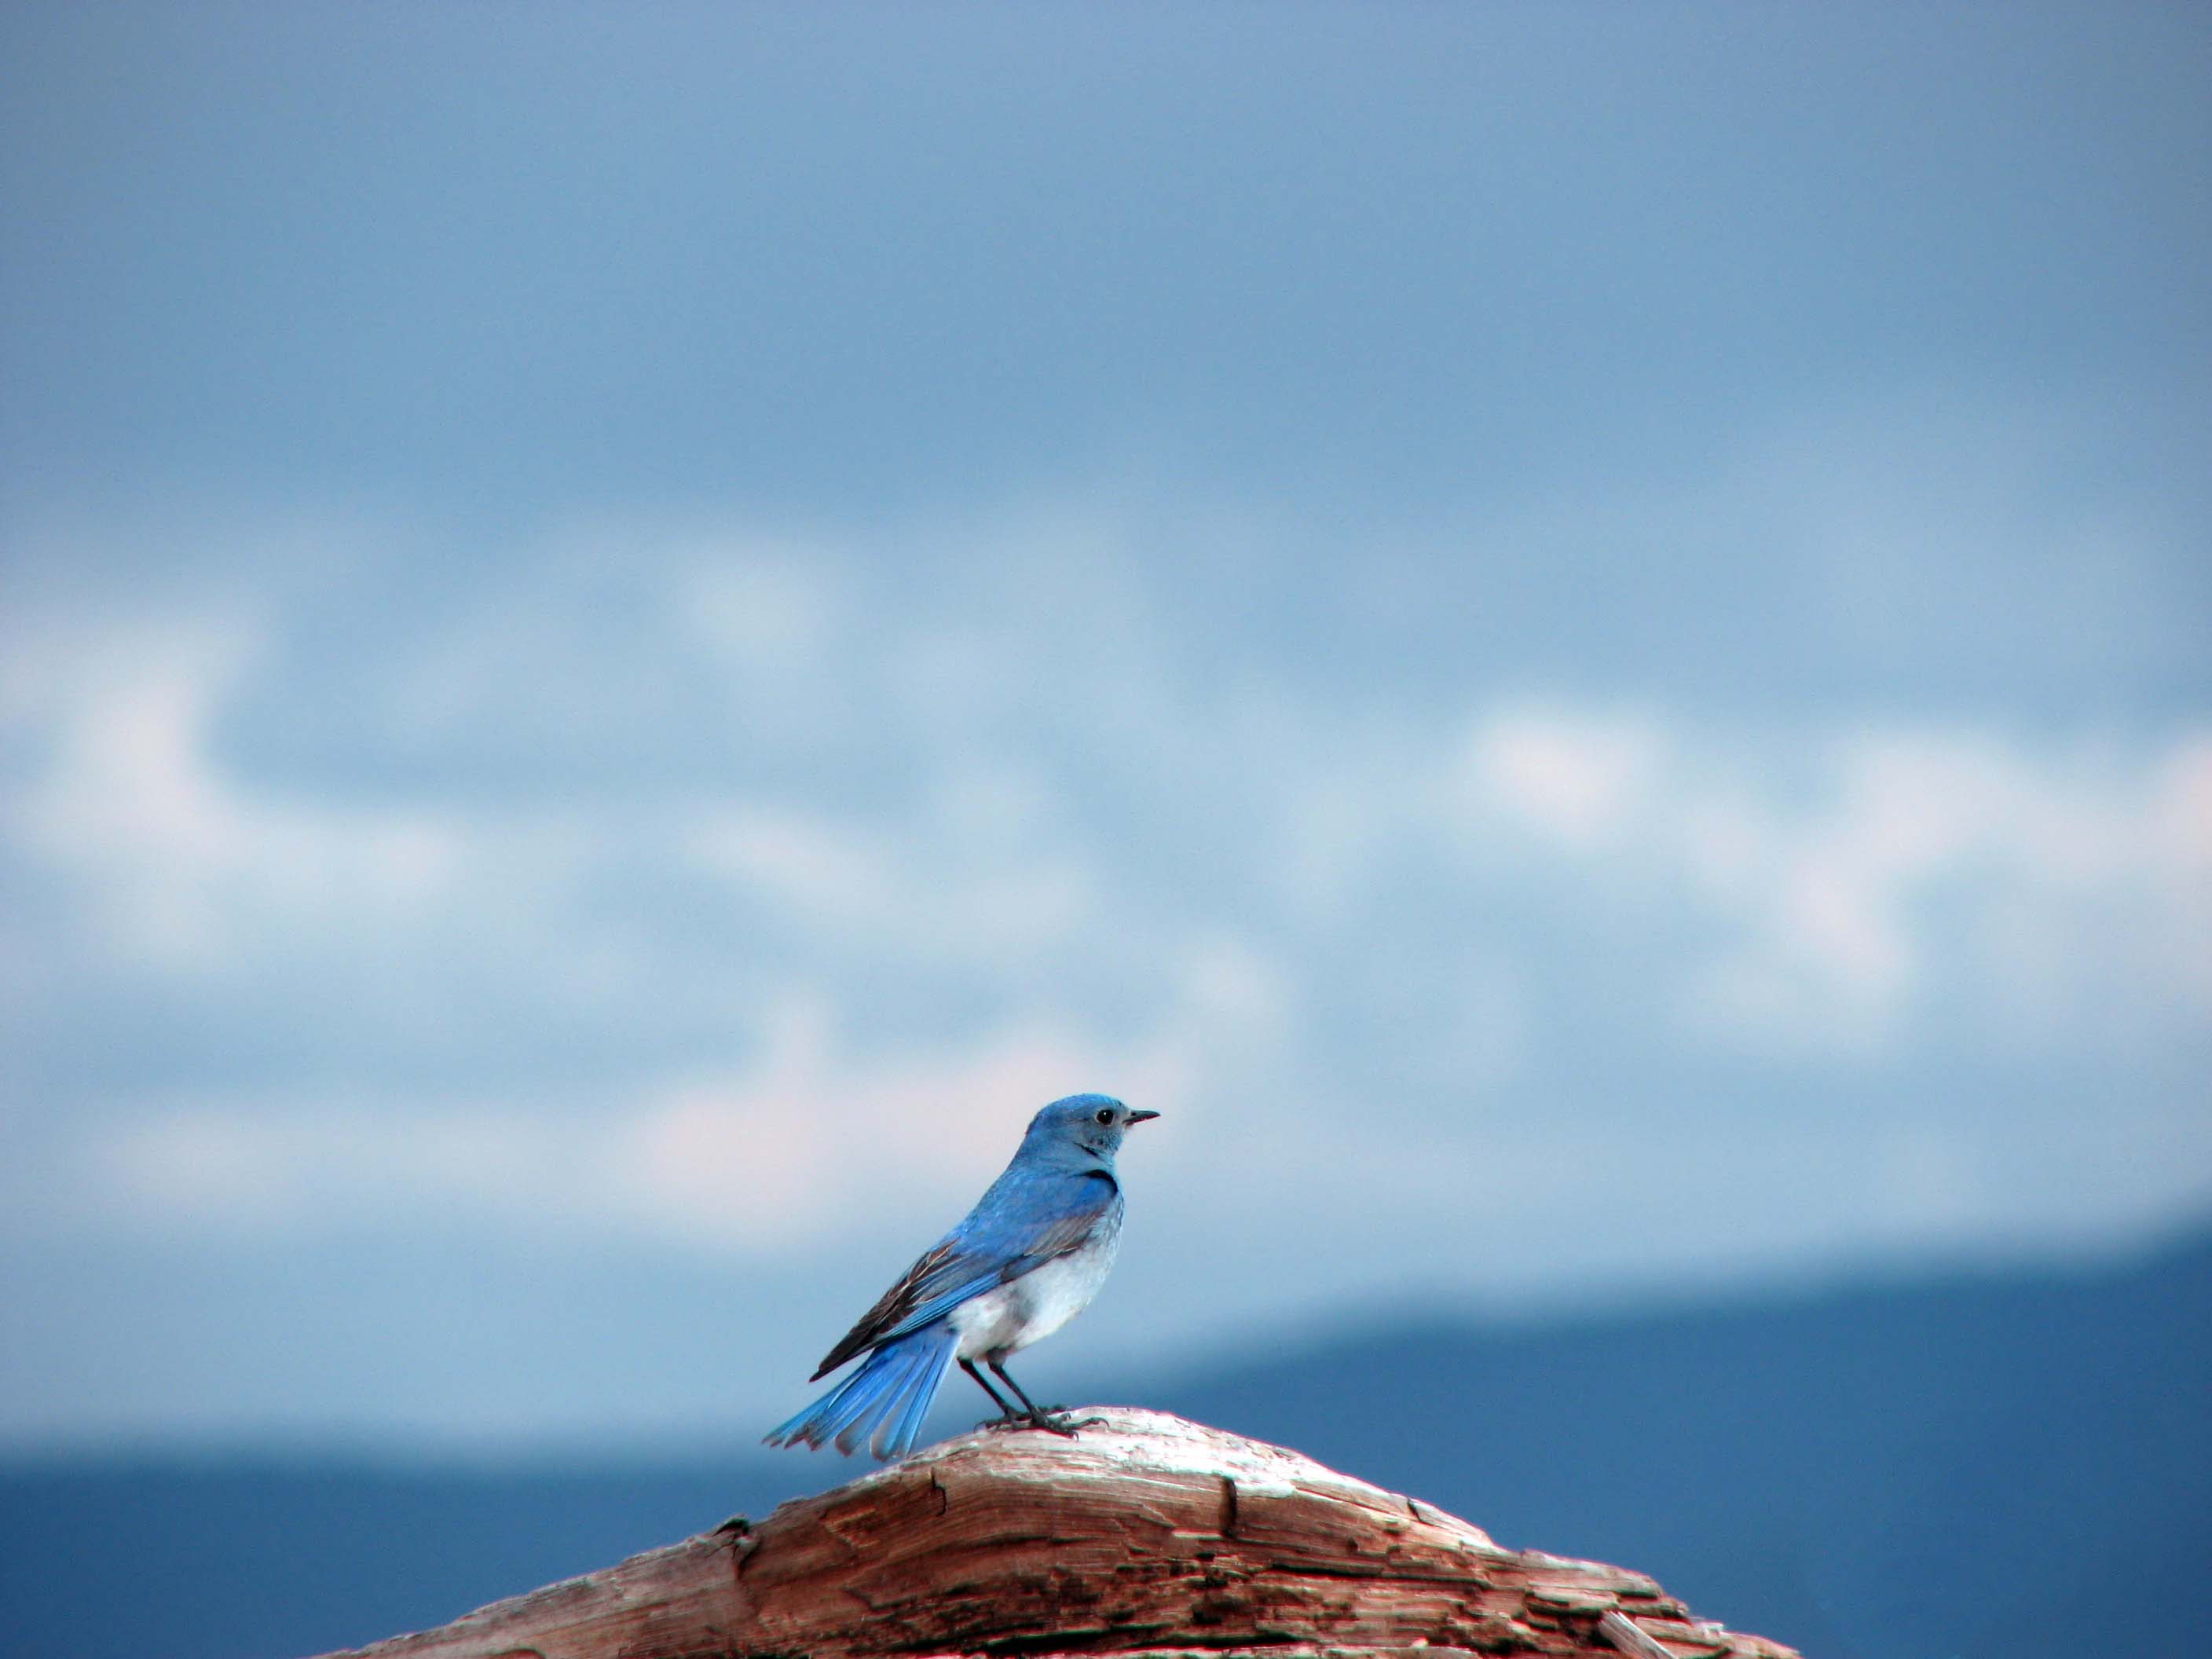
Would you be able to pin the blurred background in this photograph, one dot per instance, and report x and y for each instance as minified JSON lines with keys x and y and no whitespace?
{"x":1575,"y":637}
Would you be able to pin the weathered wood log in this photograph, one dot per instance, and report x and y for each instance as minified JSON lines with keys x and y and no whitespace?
{"x":1144,"y":1535}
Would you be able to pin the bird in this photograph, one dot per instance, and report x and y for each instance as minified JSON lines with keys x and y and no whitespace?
{"x":1026,"y":1259}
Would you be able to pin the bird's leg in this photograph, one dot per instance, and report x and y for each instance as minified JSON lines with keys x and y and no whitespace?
{"x":1038,"y":1417}
{"x":1006,"y":1413}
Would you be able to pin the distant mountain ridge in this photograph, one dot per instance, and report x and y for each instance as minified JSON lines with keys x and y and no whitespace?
{"x":1999,"y":1465}
{"x":2012,"y":1465}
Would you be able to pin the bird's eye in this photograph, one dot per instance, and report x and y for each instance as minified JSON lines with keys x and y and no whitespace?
{"x":1104,"y":1115}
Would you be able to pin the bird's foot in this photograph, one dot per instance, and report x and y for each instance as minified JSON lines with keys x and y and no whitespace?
{"x":1055,"y":1421}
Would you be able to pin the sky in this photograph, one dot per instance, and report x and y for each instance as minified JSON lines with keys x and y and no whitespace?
{"x":1573,"y":636}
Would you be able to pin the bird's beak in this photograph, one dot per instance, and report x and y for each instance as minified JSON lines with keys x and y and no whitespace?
{"x":1142,"y":1117}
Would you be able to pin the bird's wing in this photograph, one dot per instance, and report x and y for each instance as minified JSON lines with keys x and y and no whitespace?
{"x":1014,"y":1230}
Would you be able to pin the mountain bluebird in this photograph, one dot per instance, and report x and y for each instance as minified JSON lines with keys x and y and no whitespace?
{"x":1028,"y":1259}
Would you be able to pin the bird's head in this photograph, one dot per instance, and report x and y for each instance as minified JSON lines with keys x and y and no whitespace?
{"x":1091,"y":1125}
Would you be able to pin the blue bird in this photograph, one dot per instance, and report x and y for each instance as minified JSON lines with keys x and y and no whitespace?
{"x":1028,"y":1258}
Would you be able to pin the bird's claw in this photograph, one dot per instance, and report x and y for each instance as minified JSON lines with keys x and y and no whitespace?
{"x":1055,"y":1421}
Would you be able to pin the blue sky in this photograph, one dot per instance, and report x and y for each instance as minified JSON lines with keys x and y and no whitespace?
{"x":1574,"y":636}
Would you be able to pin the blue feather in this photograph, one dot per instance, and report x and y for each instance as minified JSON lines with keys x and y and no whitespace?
{"x":890,"y":1393}
{"x":896,"y":1439}
{"x":884,"y":1394}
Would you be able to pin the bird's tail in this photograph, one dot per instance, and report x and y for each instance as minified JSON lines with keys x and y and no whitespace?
{"x":891,"y":1391}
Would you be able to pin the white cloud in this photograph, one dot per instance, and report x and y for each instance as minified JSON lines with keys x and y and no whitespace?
{"x":827,"y":872}
{"x":1864,"y":881}
{"x":1925,"y":865}
{"x":1579,"y":778}
{"x":773,"y":1158}
{"x":1229,"y":985}
{"x":907,"y":890}
{"x":180,"y":860}
{"x":810,"y":1141}
{"x":771,"y":606}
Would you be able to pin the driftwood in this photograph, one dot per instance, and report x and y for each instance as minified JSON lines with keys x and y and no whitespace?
{"x":1143,"y":1535}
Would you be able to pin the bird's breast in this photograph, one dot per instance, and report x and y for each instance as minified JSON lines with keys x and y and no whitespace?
{"x":1010,"y":1317}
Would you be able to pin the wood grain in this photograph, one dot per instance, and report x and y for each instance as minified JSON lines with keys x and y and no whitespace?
{"x":1144,"y":1535}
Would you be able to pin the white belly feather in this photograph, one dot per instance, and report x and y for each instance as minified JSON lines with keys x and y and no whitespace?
{"x":1010,"y":1316}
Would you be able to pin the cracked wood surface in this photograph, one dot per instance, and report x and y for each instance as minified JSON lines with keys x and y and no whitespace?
{"x":1143,"y":1535}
